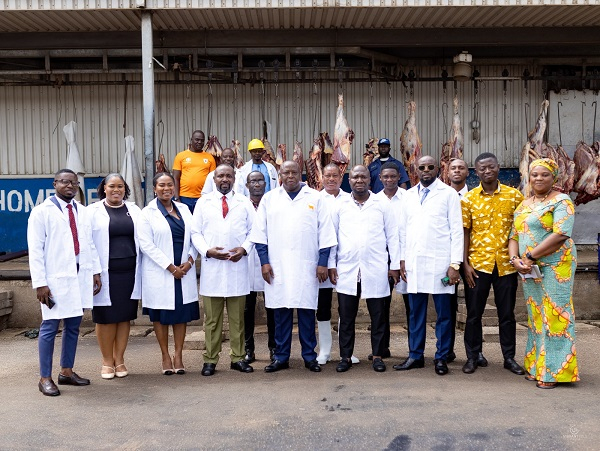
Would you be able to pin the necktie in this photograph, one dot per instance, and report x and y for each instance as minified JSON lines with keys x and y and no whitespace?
{"x":424,"y":195}
{"x":73,"y":226}
{"x":225,"y":206}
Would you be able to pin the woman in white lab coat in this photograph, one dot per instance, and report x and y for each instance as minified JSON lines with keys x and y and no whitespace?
{"x":113,"y":231}
{"x":169,"y":293}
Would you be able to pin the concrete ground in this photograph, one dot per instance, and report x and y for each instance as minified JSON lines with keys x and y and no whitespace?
{"x":296,"y":409}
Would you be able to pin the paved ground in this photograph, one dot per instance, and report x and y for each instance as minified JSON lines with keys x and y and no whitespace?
{"x":295,"y":409}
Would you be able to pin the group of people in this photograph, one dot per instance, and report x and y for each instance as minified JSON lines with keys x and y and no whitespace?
{"x":258,"y":230}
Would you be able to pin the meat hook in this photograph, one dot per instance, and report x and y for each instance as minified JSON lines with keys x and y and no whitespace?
{"x":558,"y":105}
{"x":595,"y":105}
{"x":582,"y":129}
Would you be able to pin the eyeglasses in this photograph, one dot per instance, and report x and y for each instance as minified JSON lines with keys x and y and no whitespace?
{"x":431,"y":167}
{"x":69,"y":182}
{"x":256,"y":182}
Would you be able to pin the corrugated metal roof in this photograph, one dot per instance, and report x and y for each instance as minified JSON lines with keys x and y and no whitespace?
{"x":19,"y":16}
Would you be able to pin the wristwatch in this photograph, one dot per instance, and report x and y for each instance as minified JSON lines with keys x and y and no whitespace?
{"x":455,"y":266}
{"x":528,"y":255}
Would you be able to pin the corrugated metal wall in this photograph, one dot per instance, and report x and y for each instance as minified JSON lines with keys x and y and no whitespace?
{"x":32,"y":117}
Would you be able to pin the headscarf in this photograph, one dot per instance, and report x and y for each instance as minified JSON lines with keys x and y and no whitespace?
{"x":547,"y":163}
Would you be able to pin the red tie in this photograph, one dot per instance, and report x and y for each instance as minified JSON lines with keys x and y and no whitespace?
{"x":225,"y":206}
{"x":73,"y":228}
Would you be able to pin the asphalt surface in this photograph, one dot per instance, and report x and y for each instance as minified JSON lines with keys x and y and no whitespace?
{"x":296,"y":409}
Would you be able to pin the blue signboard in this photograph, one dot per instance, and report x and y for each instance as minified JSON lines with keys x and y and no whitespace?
{"x":17,"y":199}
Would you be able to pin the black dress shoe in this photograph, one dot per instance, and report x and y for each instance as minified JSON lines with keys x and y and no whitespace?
{"x":470,"y":366}
{"x":271,"y":353}
{"x":241,"y":366}
{"x":481,"y":360}
{"x":250,"y":356}
{"x":451,"y":357}
{"x":378,"y":365}
{"x":73,"y":379}
{"x":384,"y":355}
{"x":410,"y":364}
{"x":441,"y":367}
{"x":208,"y":369}
{"x":277,"y":365}
{"x":511,"y":365}
{"x":48,"y":388}
{"x":313,"y":366}
{"x":344,"y":365}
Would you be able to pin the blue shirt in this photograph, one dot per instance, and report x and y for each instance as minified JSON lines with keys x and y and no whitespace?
{"x":375,"y":170}
{"x":262,"y":168}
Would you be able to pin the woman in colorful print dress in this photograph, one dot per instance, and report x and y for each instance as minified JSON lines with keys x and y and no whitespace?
{"x":540,"y":236}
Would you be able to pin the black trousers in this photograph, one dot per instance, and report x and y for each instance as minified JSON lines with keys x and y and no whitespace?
{"x":505,"y":294}
{"x":454,"y":309}
{"x":324,"y":304}
{"x":249,"y":309}
{"x":348,"y":308}
{"x":387,"y":303}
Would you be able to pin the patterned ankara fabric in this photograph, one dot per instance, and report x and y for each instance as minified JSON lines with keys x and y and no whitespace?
{"x":490,"y":219}
{"x":550,"y":352}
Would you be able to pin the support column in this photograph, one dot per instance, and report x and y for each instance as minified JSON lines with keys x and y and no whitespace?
{"x":148,"y":99}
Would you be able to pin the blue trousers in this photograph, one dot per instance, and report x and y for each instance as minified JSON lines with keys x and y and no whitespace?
{"x":418,"y":324}
{"x":189,"y":201}
{"x":70,"y":335}
{"x":284,"y":322}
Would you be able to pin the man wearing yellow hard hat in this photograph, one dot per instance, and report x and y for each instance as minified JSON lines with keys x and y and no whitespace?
{"x":257,"y":150}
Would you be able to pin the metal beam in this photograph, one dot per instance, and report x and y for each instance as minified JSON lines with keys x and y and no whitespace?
{"x":148,"y":100}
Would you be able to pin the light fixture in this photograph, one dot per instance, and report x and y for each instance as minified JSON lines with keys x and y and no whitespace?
{"x":462,"y":66}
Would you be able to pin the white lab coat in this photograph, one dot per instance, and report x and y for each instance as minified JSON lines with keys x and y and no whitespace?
{"x":156,"y":244}
{"x":247,"y":169}
{"x":223,"y":278}
{"x":100,"y":224}
{"x":239,"y":185}
{"x":294,"y":230}
{"x":52,"y":260}
{"x":365,"y":235}
{"x":255,"y":278}
{"x":330,"y":201}
{"x":431,"y":237}
{"x":396,"y":203}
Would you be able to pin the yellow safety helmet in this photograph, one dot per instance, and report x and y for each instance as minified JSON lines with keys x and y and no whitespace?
{"x":255,"y":144}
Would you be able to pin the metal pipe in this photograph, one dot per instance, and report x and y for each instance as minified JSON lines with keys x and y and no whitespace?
{"x":148,"y":100}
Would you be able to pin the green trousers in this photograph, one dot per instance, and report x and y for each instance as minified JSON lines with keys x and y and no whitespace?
{"x":213,"y":326}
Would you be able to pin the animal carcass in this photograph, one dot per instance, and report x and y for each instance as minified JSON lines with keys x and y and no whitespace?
{"x":410,"y":144}
{"x":587,"y":172}
{"x":371,"y":152}
{"x":566,"y":171}
{"x":298,"y":157}
{"x":533,"y":148}
{"x":454,"y":147}
{"x":327,"y":147}
{"x":314,"y":170}
{"x":213,"y":147}
{"x":342,"y":138}
{"x":281,"y":155}
{"x":269,"y":156}
{"x":239,"y":161}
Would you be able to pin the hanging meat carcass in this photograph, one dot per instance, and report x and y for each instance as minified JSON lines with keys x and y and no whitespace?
{"x":161,"y":165}
{"x":213,"y":147}
{"x":327,"y":148}
{"x":410,"y":144}
{"x":342,"y":138}
{"x":587,"y":172}
{"x":269,"y":156}
{"x":314,"y":170}
{"x":533,"y":148}
{"x":454,"y":147}
{"x":239,"y":161}
{"x":298,"y":157}
{"x":566,"y":171}
{"x":371,"y":152}
{"x":281,"y":155}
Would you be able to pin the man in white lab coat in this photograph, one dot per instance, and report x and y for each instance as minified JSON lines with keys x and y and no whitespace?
{"x":228,"y":158}
{"x":358,"y":265}
{"x":222,"y":222}
{"x":293,"y":234}
{"x":389,"y":176}
{"x":431,"y":249}
{"x":65,"y":272}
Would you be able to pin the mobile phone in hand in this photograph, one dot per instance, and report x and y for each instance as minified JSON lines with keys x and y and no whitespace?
{"x":50,"y":302}
{"x":446,"y":281}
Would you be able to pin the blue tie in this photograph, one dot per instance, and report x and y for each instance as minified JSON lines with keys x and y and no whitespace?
{"x":425,"y":191}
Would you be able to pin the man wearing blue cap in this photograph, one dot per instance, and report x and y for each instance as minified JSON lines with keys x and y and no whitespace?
{"x":384,"y":157}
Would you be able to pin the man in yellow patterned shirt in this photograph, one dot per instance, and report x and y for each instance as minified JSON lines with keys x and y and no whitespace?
{"x":487,"y":219}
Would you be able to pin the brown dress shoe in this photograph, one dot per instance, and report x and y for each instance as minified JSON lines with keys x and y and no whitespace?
{"x":48,"y":388}
{"x":73,"y":379}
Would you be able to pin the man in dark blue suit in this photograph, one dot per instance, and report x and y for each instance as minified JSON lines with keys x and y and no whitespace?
{"x":384,"y":157}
